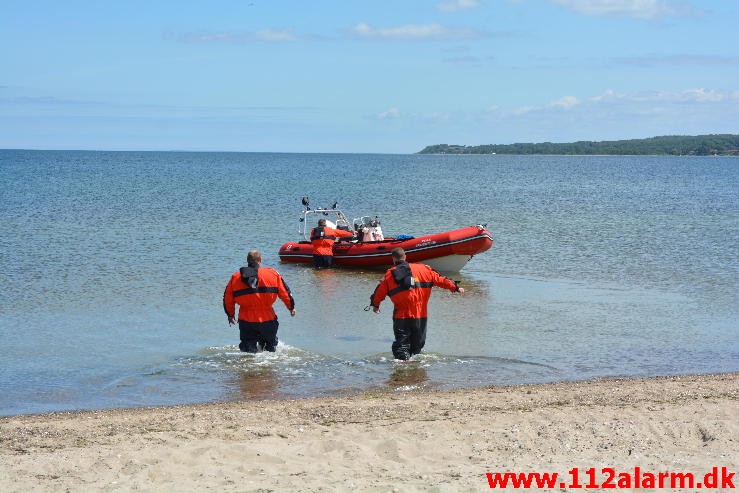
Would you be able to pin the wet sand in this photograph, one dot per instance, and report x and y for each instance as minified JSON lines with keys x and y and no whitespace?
{"x":439,"y":441}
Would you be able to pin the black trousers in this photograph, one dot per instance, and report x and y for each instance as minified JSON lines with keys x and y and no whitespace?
{"x":323,"y":261}
{"x":410,"y":337}
{"x":257,"y":336}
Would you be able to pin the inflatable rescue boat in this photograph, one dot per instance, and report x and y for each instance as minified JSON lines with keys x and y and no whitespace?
{"x":448,"y":251}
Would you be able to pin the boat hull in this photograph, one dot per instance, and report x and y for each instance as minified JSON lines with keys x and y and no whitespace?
{"x":446,"y":252}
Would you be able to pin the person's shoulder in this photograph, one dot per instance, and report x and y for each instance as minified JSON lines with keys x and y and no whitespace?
{"x":270,"y":271}
{"x":419,"y":267}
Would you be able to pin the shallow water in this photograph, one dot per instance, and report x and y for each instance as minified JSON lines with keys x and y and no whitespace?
{"x":114,"y":264}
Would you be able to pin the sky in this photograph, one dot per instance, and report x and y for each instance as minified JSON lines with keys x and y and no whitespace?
{"x":373,"y":76}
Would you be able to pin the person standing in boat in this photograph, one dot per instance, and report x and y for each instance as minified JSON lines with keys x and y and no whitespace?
{"x":322,"y":238}
{"x":409,"y":287}
{"x":373,"y":232}
{"x":255,"y":289}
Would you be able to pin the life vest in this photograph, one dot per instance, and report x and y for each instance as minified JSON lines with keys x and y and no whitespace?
{"x":318,"y":233}
{"x":409,"y":288}
{"x":403,"y":276}
{"x":255,"y":289}
{"x":250,"y":276}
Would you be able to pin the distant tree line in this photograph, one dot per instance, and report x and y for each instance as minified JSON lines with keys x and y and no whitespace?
{"x":673,"y":145}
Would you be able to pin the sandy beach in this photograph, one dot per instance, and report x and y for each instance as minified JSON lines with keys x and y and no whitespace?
{"x":396,"y":441}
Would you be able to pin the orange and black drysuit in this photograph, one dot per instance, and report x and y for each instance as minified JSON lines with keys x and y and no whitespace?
{"x":409,"y":288}
{"x":255,"y":289}
{"x":322,"y":238}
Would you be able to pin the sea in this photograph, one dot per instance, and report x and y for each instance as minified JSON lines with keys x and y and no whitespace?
{"x":113,"y":266}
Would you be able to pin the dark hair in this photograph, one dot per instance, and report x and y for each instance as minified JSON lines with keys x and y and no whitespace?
{"x":253,"y":257}
{"x":398,"y":253}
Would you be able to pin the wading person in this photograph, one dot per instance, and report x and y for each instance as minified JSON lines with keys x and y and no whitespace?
{"x":409,"y":287}
{"x":322,"y":238}
{"x":255,"y":289}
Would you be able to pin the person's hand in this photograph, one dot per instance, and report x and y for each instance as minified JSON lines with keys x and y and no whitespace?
{"x":461,"y":290}
{"x":376,"y":309}
{"x":292,"y":312}
{"x":231,"y":321}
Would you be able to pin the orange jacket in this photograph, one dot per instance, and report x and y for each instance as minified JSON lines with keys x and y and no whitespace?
{"x":413,"y":302}
{"x":324,"y":245}
{"x":255,"y":304}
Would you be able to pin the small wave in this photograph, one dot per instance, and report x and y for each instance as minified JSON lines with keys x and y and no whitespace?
{"x":408,"y":388}
{"x":422,"y":358}
{"x":229,"y":358}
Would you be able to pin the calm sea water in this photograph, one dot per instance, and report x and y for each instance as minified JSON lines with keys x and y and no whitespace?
{"x":113,"y":266}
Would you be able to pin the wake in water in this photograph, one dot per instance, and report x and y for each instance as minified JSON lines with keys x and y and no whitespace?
{"x":436,"y":370}
{"x":294,"y":372}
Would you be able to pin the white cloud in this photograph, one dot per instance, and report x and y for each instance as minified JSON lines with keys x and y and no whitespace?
{"x":275,"y":35}
{"x":608,"y":95}
{"x":697,"y":95}
{"x":678,"y":60}
{"x":414,"y":32}
{"x":523,"y":110}
{"x":457,"y":5}
{"x":565,"y":102}
{"x":611,"y":115}
{"x":436,"y":117}
{"x":390,"y":114}
{"x":462,"y":60}
{"x":637,"y":102}
{"x":267,"y":35}
{"x":703,"y":95}
{"x":614,"y":115}
{"x":639,"y":9}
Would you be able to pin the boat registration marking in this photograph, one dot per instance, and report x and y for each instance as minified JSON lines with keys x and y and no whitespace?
{"x":425,"y":243}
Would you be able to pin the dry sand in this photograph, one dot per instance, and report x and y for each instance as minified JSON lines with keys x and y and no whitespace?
{"x":395,"y":441}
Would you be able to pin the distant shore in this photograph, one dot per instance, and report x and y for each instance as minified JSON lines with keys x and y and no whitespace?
{"x":577,"y":155}
{"x":395,"y":441}
{"x":669,"y":145}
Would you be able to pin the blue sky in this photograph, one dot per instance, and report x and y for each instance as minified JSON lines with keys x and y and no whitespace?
{"x":362,"y":76}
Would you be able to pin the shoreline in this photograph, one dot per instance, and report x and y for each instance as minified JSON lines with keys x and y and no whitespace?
{"x":370,"y":392}
{"x":425,"y":440}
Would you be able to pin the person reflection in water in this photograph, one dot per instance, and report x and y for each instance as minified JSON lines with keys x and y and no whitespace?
{"x":258,"y":384}
{"x":407,"y":375}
